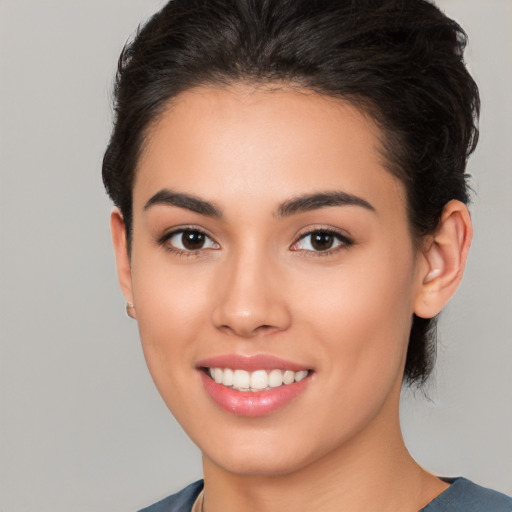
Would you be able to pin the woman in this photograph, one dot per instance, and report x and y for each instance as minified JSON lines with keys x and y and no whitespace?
{"x":291,"y":192}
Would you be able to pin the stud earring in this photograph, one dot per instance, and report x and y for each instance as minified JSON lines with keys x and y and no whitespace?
{"x":130,"y":310}
{"x":432,"y":275}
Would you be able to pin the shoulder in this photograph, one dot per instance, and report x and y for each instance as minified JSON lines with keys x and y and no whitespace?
{"x":180,"y":502}
{"x":465,"y":496}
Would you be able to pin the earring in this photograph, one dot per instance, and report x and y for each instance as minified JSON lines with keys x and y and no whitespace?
{"x":130,"y":310}
{"x":432,"y":275}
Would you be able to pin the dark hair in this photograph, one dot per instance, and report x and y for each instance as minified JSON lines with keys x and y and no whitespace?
{"x":401,"y":61}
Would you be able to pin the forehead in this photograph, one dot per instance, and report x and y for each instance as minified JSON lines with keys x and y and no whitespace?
{"x":244,"y":141}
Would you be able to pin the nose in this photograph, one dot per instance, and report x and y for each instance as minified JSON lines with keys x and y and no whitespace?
{"x":250,"y":298}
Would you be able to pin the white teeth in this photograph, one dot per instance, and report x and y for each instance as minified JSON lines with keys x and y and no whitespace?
{"x":241,"y":379}
{"x":227,"y":378}
{"x":275,"y":378}
{"x":301,"y":375}
{"x":288,"y":377}
{"x":217,"y":375}
{"x":258,"y":380}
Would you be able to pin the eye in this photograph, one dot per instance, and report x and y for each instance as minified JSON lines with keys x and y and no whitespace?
{"x":187,"y":240}
{"x":321,"y":240}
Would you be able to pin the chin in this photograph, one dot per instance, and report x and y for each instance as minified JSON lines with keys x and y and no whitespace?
{"x":264,"y":457}
{"x":260,"y":466}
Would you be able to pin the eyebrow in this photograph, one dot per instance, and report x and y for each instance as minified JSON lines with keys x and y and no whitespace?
{"x":300,"y":204}
{"x":189,"y":202}
{"x":318,"y":200}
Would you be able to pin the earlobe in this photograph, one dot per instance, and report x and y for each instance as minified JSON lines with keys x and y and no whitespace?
{"x":444,"y":260}
{"x":118,"y":230}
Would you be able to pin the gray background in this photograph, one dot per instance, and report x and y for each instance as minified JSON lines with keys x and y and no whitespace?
{"x":81,"y":426}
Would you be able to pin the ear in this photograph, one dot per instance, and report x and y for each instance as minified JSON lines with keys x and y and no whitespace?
{"x":443,"y":260}
{"x":124,"y":275}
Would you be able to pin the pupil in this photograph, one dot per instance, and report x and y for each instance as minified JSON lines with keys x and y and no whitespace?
{"x":322,"y":241}
{"x":192,"y":240}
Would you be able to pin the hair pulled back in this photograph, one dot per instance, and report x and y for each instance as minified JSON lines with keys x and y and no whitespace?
{"x":400,"y":61}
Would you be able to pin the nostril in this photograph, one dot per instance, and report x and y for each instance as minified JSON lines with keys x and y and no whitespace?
{"x":265,"y":328}
{"x":249,"y":331}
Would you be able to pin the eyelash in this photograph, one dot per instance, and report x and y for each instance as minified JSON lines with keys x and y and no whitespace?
{"x":164,"y":241}
{"x":344,"y":242}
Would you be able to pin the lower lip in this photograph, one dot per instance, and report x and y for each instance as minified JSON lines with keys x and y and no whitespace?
{"x":253,"y":403}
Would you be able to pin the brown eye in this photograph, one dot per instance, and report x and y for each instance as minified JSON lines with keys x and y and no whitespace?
{"x":188,"y":240}
{"x":193,"y":240}
{"x":321,"y":241}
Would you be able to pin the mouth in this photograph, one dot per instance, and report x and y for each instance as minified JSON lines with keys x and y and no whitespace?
{"x":253,"y":386}
{"x":258,"y":380}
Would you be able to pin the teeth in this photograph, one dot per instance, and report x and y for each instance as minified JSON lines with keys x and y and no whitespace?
{"x":227,"y":377}
{"x":241,"y":379}
{"x":301,"y":375}
{"x":288,"y":377}
{"x":275,"y":378}
{"x":217,"y":375}
{"x":258,"y":380}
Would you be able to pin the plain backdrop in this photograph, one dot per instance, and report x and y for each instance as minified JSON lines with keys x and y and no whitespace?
{"x":81,"y":426}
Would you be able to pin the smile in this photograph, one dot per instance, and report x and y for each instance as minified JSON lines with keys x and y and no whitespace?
{"x":258,"y":380}
{"x":256,"y":385}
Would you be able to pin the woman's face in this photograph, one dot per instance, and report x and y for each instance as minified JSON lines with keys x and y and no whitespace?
{"x":270,"y":243}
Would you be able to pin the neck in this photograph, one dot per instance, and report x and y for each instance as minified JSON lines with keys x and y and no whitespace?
{"x":373,"y":470}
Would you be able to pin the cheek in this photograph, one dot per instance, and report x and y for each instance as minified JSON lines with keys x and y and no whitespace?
{"x":172,"y":312}
{"x":363,"y":314}
{"x":168,"y":293}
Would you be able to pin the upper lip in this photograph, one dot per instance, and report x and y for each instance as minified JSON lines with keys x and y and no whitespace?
{"x":251,"y":362}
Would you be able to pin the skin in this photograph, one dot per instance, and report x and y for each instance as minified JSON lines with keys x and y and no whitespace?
{"x":257,"y":287}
